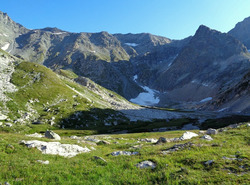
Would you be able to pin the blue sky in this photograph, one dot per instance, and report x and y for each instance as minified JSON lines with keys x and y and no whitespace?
{"x":175,"y":19}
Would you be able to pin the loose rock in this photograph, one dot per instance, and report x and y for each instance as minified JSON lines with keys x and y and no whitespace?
{"x":75,"y":137}
{"x":146,"y":164}
{"x":149,"y":140}
{"x":188,"y":135}
{"x":212,"y":131}
{"x":124,"y":153}
{"x":100,"y":158}
{"x":103,"y":142}
{"x":209,"y":162}
{"x":35,"y":135}
{"x":162,"y":140}
{"x":8,"y":124}
{"x":52,"y":135}
{"x":201,"y":132}
{"x":3,"y":117}
{"x":43,"y":162}
{"x":207,"y":137}
{"x":177,"y":147}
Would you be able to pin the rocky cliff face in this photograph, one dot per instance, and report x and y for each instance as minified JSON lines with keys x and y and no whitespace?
{"x":9,"y":30}
{"x":241,"y":32}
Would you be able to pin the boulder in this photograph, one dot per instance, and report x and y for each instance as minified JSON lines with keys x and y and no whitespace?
{"x":188,"y":135}
{"x":146,"y":164}
{"x":56,"y":148}
{"x":207,"y":137}
{"x":52,"y":135}
{"x":212,"y":131}
{"x":162,"y":140}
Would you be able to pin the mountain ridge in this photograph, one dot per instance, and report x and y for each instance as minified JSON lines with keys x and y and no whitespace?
{"x":113,"y":60}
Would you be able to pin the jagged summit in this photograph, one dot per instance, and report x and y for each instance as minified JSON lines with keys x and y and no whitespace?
{"x":241,"y":32}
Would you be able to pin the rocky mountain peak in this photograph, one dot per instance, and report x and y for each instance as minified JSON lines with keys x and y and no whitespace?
{"x":53,"y":30}
{"x":203,"y":65}
{"x":203,"y":30}
{"x":219,"y":45}
{"x":242,"y":32}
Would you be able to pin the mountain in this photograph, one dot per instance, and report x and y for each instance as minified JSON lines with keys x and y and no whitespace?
{"x":192,"y":73}
{"x":242,"y":32}
{"x":210,"y":63}
{"x":109,"y":60}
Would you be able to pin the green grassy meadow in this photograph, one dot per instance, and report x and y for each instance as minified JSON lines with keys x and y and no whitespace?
{"x":19,"y":164}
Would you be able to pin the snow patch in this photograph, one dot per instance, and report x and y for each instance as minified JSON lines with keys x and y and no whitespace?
{"x":172,"y":60}
{"x":6,"y":46}
{"x":206,"y":99}
{"x":146,"y":98}
{"x":201,"y":83}
{"x":59,"y":33}
{"x":135,"y":78}
{"x":170,"y":63}
{"x":132,"y":44}
{"x":221,"y":110}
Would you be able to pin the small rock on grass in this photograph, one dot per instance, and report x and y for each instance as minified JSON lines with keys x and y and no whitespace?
{"x":52,"y":135}
{"x":209,"y":162}
{"x":124,"y":153}
{"x":162,"y":140}
{"x":207,"y":137}
{"x":34,"y":135}
{"x":188,"y":135}
{"x":212,"y":131}
{"x":3,"y":117}
{"x":146,"y":164}
{"x":43,"y":162}
{"x":8,"y":124}
{"x":100,"y":158}
{"x":102,"y":142}
{"x":201,"y":132}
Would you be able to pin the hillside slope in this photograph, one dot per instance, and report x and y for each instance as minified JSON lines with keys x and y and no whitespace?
{"x":32,"y":93}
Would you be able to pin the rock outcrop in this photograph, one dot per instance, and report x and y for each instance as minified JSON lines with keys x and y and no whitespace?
{"x":56,"y":148}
